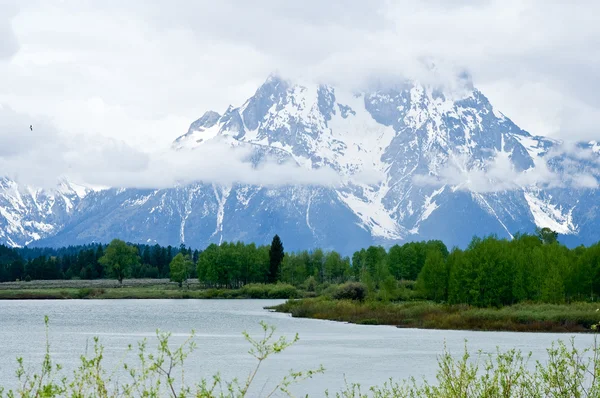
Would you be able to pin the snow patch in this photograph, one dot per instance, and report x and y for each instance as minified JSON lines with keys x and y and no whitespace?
{"x":221,"y":193}
{"x":429,"y":205}
{"x":548,"y":215}
{"x":532,"y":145}
{"x":487,"y":207}
{"x":137,"y":202}
{"x":372,"y":213}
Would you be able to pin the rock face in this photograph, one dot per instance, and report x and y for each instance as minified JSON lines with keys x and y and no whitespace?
{"x":447,"y":167}
{"x":28,"y":214}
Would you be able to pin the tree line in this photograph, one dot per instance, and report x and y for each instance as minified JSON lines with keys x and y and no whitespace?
{"x":82,"y":262}
{"x":496,"y":272}
{"x":489,"y":272}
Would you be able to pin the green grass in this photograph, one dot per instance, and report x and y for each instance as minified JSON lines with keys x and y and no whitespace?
{"x":158,"y":291}
{"x":525,"y":317}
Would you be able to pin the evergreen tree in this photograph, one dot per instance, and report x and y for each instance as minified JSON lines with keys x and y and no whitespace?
{"x":276,"y":255}
{"x":547,"y":236}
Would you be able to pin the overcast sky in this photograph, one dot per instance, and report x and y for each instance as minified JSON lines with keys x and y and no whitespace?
{"x":142,"y":71}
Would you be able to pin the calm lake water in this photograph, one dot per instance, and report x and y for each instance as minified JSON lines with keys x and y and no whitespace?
{"x":365,"y":354}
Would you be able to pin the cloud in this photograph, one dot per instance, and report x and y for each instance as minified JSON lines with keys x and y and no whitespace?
{"x":43,"y":156}
{"x":499,"y":174}
{"x":213,"y":162}
{"x":142,"y":71}
{"x":8,"y":41}
{"x":107,"y":85}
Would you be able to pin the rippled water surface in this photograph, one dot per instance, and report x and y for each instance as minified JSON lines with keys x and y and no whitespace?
{"x":365,"y":354}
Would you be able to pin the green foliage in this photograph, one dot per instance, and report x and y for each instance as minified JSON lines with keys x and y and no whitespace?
{"x":263,"y":291}
{"x":490,"y":272}
{"x":567,"y":372}
{"x":577,"y":317}
{"x":389,"y":289}
{"x":433,"y":278}
{"x":276,"y":255}
{"x":498,"y":272}
{"x":351,"y":291}
{"x":373,"y":265}
{"x":547,"y":236}
{"x":179,"y":268}
{"x":81,"y":262}
{"x":310,"y":284}
{"x":232,"y":265}
{"x":283,"y":291}
{"x":154,"y":374}
{"x":119,"y":258}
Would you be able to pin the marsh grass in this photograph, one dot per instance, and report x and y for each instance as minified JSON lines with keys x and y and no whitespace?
{"x":576,"y":317}
{"x":147,"y":291}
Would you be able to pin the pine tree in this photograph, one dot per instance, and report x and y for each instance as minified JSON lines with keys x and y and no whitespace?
{"x":276,"y":255}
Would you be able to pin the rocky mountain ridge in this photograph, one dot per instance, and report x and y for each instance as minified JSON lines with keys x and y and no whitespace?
{"x":414,"y":163}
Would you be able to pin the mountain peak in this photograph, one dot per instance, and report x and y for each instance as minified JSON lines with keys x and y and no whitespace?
{"x":413,"y":161}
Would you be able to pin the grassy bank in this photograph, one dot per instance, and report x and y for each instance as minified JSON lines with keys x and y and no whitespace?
{"x":139,"y":289}
{"x":525,"y":317}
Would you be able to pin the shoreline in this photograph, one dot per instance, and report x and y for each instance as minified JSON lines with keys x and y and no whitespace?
{"x":523,"y":317}
{"x":137,"y":289}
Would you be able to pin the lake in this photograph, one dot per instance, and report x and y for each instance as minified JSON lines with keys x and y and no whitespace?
{"x":365,"y":354}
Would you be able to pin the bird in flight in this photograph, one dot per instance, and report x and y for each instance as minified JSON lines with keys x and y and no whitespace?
{"x":30,"y":127}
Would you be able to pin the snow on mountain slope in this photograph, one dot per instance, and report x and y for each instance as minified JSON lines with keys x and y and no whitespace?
{"x":28,"y":214}
{"x":415,"y":162}
{"x":401,"y":134}
{"x":550,"y":215}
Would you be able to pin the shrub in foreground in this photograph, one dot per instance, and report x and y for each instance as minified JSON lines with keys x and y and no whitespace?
{"x":567,"y":372}
{"x":159,"y":374}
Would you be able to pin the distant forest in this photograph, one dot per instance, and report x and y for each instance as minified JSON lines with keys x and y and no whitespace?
{"x":489,"y":272}
{"x":82,"y":262}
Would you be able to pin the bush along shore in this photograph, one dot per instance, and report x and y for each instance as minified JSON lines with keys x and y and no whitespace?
{"x":522,"y":317}
{"x":567,"y":372}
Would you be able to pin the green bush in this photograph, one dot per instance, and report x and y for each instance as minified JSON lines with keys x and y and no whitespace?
{"x":310,"y":284}
{"x":278,"y":291}
{"x":83,"y":293}
{"x":330,"y":291}
{"x":255,"y":291}
{"x":351,"y":291}
{"x":283,"y":291}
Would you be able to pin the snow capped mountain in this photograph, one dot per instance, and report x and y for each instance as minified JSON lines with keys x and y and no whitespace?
{"x":415,"y":162}
{"x":28,"y":214}
{"x":403,"y":135}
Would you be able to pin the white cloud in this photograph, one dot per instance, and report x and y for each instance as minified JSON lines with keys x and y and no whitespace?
{"x":142,"y":71}
{"x":139,"y":72}
{"x":41,"y":157}
{"x":499,"y":174}
{"x":8,"y":41}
